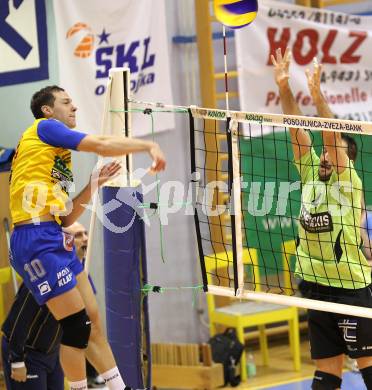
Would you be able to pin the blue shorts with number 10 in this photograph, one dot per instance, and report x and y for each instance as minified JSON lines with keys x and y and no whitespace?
{"x":44,"y":256}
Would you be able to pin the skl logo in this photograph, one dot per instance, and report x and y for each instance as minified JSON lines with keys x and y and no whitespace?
{"x":136,"y":55}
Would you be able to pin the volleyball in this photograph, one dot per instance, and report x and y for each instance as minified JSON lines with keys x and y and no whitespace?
{"x":84,"y":44}
{"x":235,"y":13}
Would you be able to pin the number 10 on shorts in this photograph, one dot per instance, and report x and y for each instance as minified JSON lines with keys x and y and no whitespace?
{"x":35,"y":270}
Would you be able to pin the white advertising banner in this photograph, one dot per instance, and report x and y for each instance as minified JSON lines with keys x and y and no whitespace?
{"x":94,"y":36}
{"x":341,"y":42}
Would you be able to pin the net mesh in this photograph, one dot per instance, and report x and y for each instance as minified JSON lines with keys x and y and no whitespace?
{"x":283,"y":216}
{"x":250,"y":207}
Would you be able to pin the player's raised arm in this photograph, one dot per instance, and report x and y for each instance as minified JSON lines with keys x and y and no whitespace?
{"x":332,"y":141}
{"x":112,"y":146}
{"x":313,"y":81}
{"x":301,"y":141}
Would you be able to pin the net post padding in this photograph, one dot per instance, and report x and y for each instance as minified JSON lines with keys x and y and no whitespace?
{"x":92,"y":222}
{"x":115,"y":121}
{"x":126,"y":309}
{"x":125,"y":275}
{"x":120,"y":118}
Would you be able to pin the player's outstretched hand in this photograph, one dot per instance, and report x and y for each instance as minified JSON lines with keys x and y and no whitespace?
{"x":281,"y":66}
{"x":313,"y":79}
{"x":107,"y":172}
{"x":19,"y":374}
{"x":158,"y":158}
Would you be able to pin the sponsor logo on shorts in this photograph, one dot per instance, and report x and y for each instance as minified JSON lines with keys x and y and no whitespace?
{"x":30,"y":376}
{"x":366,"y":347}
{"x":64,"y":277}
{"x":44,"y":288}
{"x":68,"y":241}
{"x":349,"y":328}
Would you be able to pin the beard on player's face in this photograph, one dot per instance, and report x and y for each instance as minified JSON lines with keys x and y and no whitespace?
{"x":325,"y":171}
{"x":325,"y":166}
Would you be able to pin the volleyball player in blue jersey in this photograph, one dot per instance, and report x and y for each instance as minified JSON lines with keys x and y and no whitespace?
{"x":41,"y":252}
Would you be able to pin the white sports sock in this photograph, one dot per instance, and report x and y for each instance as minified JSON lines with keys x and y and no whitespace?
{"x":113,"y":379}
{"x":81,"y":385}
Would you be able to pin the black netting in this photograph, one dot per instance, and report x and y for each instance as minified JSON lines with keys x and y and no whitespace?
{"x":326,"y":230}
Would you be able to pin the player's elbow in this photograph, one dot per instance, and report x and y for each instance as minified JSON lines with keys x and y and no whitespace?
{"x":66,"y":221}
{"x":95,"y":144}
{"x":103,"y":149}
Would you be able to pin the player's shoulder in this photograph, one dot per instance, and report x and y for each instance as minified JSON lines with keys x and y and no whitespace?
{"x":350,"y":175}
{"x":309,"y":158}
{"x":50,"y":123}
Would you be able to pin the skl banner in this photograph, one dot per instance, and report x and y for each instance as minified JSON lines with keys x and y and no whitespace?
{"x":94,"y":36}
{"x":340,"y":41}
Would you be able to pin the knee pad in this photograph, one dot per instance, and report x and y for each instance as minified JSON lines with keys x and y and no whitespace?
{"x":367,"y":376}
{"x":325,"y":381}
{"x":76,"y":330}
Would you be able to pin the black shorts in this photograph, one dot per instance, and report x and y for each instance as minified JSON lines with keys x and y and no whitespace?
{"x":334,"y":334}
{"x":44,"y":371}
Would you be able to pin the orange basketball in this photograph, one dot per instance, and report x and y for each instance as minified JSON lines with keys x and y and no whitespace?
{"x":85,"y":39}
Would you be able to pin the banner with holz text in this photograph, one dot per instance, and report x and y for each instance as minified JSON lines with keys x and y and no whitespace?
{"x":341,"y":42}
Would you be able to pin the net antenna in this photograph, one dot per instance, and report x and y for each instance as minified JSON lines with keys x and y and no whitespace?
{"x":116,"y":120}
{"x":234,"y":185}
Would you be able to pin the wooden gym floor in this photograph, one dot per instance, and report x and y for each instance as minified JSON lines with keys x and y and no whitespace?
{"x":278,"y":372}
{"x":280,"y":369}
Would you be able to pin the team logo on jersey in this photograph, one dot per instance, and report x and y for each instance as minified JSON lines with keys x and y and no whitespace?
{"x":68,"y":241}
{"x":316,"y":223}
{"x":44,"y":288}
{"x":62,"y":174}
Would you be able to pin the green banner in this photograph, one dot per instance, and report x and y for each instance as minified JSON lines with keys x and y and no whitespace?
{"x":271,"y":192}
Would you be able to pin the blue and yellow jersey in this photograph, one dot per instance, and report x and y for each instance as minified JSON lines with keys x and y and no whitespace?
{"x":41,"y":171}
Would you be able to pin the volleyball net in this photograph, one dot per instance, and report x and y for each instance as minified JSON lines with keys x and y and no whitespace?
{"x":262,"y":223}
{"x":261,"y":228}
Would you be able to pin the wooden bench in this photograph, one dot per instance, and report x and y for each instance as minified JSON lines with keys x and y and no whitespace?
{"x":185,"y":366}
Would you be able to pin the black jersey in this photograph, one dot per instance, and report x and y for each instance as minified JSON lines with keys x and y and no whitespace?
{"x":30,"y":326}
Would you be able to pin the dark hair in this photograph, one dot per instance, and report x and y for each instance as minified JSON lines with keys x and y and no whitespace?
{"x":43,"y":97}
{"x":352,"y":147}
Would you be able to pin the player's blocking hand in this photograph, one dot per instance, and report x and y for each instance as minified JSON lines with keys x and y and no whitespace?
{"x":19,"y":374}
{"x":105,"y":173}
{"x":158,"y":158}
{"x":313,"y":79}
{"x":281,"y":66}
